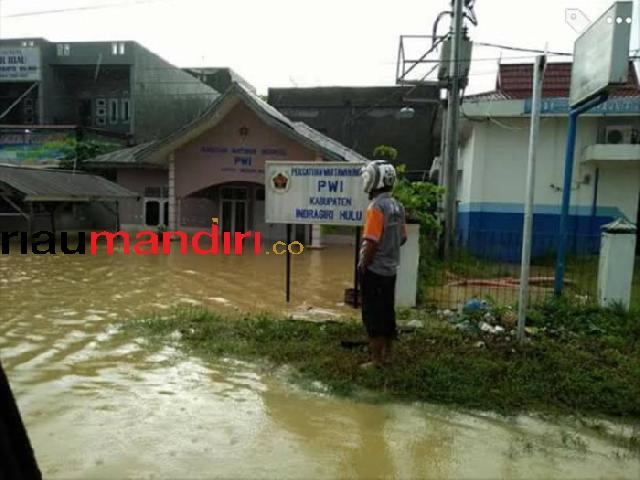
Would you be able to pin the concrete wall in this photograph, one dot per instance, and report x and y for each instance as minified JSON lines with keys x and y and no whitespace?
{"x":137,"y":180}
{"x":162,"y":97}
{"x":75,"y":84}
{"x":494,"y":160}
{"x":223,"y":155}
{"x":363,"y":118}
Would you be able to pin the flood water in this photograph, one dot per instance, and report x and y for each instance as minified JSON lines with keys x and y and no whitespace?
{"x":98,"y":406}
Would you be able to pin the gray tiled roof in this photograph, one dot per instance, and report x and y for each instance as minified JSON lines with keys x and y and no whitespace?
{"x":38,"y":184}
{"x":127,"y":156}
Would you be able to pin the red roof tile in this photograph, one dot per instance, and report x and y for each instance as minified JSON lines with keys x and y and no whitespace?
{"x":516,"y":80}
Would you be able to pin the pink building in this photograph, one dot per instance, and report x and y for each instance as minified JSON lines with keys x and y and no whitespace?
{"x":214,"y":167}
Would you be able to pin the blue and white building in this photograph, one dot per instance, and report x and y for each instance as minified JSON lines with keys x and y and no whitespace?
{"x":493,"y":159}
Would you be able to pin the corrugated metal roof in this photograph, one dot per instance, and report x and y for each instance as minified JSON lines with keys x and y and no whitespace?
{"x":146,"y":154}
{"x":37,"y":184}
{"x":126,"y":156}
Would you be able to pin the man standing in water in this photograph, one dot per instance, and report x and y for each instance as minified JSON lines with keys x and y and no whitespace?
{"x":384,"y":233}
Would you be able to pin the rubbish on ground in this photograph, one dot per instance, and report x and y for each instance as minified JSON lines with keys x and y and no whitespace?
{"x":474,"y":305}
{"x":532,"y":330}
{"x":415,"y":324}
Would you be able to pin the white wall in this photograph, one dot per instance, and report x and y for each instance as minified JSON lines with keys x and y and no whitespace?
{"x":495,"y":159}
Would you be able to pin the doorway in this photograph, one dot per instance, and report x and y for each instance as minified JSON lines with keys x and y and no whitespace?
{"x":234,"y":207}
{"x":156,"y":212}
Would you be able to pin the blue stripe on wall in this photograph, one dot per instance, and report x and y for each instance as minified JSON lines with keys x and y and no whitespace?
{"x":497,"y":235}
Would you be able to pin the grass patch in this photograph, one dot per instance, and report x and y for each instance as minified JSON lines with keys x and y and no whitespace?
{"x":582,"y":360}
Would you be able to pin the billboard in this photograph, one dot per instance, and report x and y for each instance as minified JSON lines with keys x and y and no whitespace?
{"x":26,"y":147}
{"x":20,"y":64}
{"x":320,"y":193}
{"x":601,"y":54}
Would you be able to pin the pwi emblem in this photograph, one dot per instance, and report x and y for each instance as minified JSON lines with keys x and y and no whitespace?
{"x":280,"y":182}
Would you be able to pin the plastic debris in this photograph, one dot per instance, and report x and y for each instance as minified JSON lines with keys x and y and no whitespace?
{"x":475,"y":305}
{"x":415,"y":324}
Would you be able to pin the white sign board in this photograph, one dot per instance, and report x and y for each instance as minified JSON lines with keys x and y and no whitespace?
{"x":601,"y":54}
{"x":20,"y":64}
{"x":320,"y":193}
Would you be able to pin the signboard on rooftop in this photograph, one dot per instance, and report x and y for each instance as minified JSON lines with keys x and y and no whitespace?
{"x":320,"y":193}
{"x":601,"y":54}
{"x":20,"y":64}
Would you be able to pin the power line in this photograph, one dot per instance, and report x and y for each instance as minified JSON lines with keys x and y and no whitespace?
{"x":82,"y":9}
{"x":521,"y":49}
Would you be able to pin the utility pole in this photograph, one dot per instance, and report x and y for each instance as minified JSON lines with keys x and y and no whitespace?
{"x":453,"y":111}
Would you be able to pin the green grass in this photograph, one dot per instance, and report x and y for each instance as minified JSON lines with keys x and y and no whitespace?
{"x":583,"y":360}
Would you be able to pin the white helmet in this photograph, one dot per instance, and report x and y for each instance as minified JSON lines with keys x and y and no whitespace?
{"x":378,"y":174}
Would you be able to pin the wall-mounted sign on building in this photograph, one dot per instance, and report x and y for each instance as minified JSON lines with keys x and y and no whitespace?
{"x":327,"y":193}
{"x":615,"y":105}
{"x":20,"y":64}
{"x":25,"y":147}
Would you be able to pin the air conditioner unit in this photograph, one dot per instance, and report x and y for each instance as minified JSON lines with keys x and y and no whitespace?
{"x":621,"y":134}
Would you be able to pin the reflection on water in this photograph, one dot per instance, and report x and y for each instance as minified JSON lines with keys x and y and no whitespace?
{"x":100,"y":407}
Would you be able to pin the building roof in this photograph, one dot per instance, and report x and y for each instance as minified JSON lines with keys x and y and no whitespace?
{"x":488,"y":96}
{"x":515,"y":82}
{"x":132,"y":156}
{"x":156,"y":152}
{"x":40,"y":185}
{"x":231,"y":74}
{"x":381,"y":96}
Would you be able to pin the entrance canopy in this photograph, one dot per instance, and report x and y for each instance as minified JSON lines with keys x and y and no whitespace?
{"x":40,"y":185}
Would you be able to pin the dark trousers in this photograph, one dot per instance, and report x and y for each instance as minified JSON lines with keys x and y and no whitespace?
{"x":378,"y":304}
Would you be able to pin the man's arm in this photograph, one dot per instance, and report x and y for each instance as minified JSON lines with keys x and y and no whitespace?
{"x":367,"y":252}
{"x":373,"y":226}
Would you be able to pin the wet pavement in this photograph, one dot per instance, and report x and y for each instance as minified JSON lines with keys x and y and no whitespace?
{"x":99,"y":406}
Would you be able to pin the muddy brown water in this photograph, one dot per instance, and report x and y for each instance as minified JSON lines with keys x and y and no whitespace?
{"x":98,"y":406}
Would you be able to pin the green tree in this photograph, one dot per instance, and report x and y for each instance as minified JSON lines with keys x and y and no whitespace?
{"x":85,"y":150}
{"x":385,"y":152}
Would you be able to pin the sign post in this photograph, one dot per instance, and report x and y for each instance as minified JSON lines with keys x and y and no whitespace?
{"x":314,"y":193}
{"x":538,"y":75}
{"x":288,"y":272}
{"x":600,"y":61}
